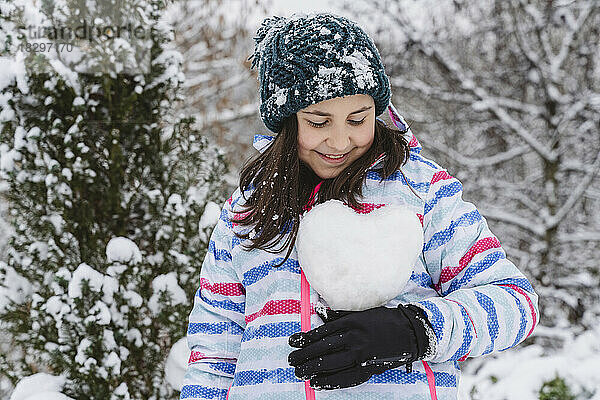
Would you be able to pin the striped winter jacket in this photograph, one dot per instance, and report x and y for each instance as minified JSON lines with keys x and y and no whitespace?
{"x":245,"y":309}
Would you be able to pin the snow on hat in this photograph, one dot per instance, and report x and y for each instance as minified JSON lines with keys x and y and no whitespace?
{"x":308,"y":58}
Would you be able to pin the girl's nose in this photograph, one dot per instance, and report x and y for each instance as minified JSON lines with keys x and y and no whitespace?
{"x":338,"y":141}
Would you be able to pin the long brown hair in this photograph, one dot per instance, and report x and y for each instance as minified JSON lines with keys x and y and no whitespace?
{"x":283,"y":183}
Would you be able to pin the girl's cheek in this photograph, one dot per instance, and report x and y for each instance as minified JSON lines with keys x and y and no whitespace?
{"x":364,"y":138}
{"x":309,"y":143}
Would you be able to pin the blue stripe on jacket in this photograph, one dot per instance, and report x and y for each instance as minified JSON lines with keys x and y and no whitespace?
{"x":203,"y":392}
{"x":492,"y":319}
{"x":215,"y":328}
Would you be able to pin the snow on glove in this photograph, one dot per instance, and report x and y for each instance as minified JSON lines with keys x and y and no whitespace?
{"x":351,"y":346}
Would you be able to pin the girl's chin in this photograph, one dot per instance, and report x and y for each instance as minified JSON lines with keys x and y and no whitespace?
{"x":327,"y":173}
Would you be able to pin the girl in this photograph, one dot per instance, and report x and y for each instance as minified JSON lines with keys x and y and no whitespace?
{"x":257,"y":329}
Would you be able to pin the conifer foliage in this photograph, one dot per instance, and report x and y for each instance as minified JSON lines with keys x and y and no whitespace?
{"x":105,"y":188}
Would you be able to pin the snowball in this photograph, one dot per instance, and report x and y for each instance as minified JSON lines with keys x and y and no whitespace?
{"x":40,"y":386}
{"x":342,"y":252}
{"x":122,"y":249}
{"x":176,"y":363}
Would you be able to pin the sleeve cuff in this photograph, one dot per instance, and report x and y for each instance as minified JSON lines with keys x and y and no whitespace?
{"x":431,"y":350}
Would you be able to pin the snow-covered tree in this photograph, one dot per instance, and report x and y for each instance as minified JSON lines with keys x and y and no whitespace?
{"x":105,"y":188}
{"x":506,"y":94}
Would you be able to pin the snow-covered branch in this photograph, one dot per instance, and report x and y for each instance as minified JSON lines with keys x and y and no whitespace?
{"x":575,"y":166}
{"x":538,"y":26}
{"x":471,"y":162}
{"x":225,"y":116}
{"x":486,"y":101}
{"x":589,"y":8}
{"x":579,"y":237}
{"x":575,"y":196}
{"x":418,"y":85}
{"x":513,"y":219}
{"x":534,"y":59}
{"x":521,"y":131}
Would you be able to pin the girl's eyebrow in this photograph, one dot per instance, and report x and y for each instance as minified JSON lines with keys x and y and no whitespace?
{"x":317,"y":112}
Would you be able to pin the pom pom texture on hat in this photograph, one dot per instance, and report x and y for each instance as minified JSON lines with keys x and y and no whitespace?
{"x":306,"y":59}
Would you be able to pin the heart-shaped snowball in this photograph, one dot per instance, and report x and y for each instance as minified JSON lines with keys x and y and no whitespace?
{"x":358,"y":261}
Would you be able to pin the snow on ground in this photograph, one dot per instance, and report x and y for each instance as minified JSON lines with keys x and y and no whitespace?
{"x":520,"y":372}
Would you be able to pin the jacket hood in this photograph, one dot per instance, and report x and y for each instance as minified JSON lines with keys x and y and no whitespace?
{"x":261,"y":142}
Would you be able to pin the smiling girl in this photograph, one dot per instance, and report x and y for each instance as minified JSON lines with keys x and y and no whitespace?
{"x":330,"y":137}
{"x":258,"y":329}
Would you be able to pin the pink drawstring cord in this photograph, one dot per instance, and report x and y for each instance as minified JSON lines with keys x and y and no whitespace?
{"x":305,"y":323}
{"x":430,"y":380}
{"x":305,"y":298}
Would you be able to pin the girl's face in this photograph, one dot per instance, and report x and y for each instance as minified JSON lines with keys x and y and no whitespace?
{"x":340,"y":126}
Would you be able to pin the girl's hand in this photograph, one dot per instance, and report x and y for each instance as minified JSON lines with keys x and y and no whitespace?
{"x":351,"y":346}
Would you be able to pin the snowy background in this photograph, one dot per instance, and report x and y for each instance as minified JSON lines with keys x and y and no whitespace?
{"x":505,"y":94}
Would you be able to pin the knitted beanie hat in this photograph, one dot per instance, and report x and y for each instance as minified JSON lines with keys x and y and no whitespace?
{"x":308,"y":58}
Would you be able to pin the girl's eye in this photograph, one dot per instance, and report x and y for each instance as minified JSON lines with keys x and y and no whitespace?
{"x":352,"y":122}
{"x":322,"y":124}
{"x":316,"y":125}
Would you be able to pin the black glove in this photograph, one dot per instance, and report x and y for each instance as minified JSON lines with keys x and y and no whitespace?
{"x":351,"y":346}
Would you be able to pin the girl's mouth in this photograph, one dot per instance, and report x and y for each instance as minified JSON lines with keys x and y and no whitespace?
{"x":333,"y":160}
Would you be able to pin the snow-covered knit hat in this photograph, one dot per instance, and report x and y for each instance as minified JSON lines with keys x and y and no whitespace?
{"x":308,"y":58}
